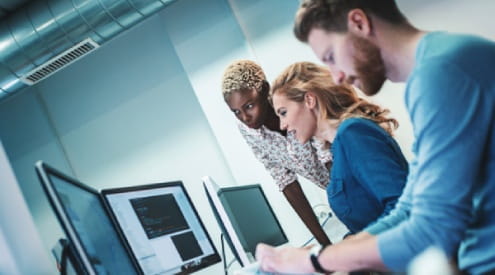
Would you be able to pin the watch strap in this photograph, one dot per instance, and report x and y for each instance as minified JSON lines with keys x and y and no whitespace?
{"x":314,"y":253}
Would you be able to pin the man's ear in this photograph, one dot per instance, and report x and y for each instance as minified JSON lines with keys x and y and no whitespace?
{"x":310,"y":100}
{"x":358,"y":23}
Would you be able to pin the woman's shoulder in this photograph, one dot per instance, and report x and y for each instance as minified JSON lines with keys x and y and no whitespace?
{"x":357,"y":128}
{"x":357,"y":124}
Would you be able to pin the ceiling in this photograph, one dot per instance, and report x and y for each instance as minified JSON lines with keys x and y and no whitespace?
{"x":9,"y":6}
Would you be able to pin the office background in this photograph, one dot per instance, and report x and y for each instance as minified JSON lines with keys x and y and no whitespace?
{"x":147,"y":107}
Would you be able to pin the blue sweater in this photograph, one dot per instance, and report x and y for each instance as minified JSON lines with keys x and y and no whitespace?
{"x":449,"y":199}
{"x":368,"y":173}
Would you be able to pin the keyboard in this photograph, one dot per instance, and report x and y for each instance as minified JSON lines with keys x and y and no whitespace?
{"x":254,"y":269}
{"x":251,"y":269}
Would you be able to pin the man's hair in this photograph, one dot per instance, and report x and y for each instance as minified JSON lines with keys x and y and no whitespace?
{"x":243,"y":75}
{"x":334,"y":101}
{"x":331,"y":15}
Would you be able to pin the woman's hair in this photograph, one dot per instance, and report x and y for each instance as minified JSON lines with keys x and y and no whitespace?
{"x":334,"y":101}
{"x":242,"y":75}
{"x":331,"y":15}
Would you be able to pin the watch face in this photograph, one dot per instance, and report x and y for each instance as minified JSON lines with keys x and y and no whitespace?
{"x":315,"y":250}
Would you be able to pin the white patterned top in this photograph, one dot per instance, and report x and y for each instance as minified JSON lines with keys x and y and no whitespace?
{"x":284,"y":157}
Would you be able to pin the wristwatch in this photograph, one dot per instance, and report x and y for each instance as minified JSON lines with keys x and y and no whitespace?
{"x":314,"y":252}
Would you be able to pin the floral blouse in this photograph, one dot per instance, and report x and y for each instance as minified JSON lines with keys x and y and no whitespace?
{"x":284,"y":157}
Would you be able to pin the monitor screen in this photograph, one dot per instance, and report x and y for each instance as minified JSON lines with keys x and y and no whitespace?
{"x":83,"y":216}
{"x":162,"y":228}
{"x":252,"y":216}
{"x":245,"y":217}
{"x":211,"y":189}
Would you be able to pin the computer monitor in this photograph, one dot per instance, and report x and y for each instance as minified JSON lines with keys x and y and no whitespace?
{"x":95,"y":242}
{"x":147,"y":229}
{"x":245,"y":217}
{"x":162,"y":228}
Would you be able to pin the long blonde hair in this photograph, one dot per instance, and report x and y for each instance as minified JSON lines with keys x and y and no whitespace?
{"x":337,"y":102}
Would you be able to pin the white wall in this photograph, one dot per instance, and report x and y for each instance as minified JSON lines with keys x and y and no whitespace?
{"x":19,"y":240}
{"x":147,"y":106}
{"x":124,"y":115}
{"x":27,"y":137}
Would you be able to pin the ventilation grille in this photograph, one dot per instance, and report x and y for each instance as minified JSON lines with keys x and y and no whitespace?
{"x":58,"y":62}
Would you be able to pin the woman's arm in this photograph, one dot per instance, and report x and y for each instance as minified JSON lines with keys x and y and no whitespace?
{"x":295,"y":196}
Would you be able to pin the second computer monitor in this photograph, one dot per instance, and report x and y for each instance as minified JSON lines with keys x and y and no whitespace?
{"x":252,"y":216}
{"x":245,"y":217}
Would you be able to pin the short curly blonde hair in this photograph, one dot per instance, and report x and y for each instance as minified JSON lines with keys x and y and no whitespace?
{"x":242,"y":75}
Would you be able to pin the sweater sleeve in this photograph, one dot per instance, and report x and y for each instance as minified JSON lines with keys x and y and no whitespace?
{"x":450,"y":129}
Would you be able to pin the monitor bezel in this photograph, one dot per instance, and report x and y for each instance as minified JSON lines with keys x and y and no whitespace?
{"x":206,"y":261}
{"x":223,"y":220}
{"x":258,"y":187}
{"x":44,"y":170}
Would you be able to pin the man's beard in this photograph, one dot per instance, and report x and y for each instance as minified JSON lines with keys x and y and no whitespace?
{"x":369,"y":66}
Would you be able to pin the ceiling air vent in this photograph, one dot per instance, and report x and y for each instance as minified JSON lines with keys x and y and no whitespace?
{"x":58,"y":62}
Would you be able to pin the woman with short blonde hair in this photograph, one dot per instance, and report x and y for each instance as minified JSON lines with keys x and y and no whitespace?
{"x":245,"y":90}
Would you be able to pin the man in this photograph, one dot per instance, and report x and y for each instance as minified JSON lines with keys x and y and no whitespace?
{"x":450,"y":96}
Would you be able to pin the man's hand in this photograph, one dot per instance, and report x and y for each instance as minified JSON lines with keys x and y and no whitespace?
{"x":283,"y":259}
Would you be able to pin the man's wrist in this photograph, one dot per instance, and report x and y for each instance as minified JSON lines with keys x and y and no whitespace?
{"x":314,"y":254}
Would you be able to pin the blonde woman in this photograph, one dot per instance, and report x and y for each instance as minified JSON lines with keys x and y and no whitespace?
{"x":245,"y":90}
{"x":368,"y":171}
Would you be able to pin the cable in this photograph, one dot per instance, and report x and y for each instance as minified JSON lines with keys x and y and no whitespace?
{"x":231,"y":262}
{"x":225,"y":265}
{"x":64,"y":257}
{"x":322,"y":225}
{"x":223,"y":255}
{"x":320,"y":204}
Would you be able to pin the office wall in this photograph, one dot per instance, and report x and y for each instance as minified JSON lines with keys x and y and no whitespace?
{"x":27,"y":137}
{"x":146,"y":107}
{"x":124,"y":115}
{"x":20,"y":242}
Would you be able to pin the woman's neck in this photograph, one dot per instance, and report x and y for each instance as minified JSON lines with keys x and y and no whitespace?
{"x":327,"y":130}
